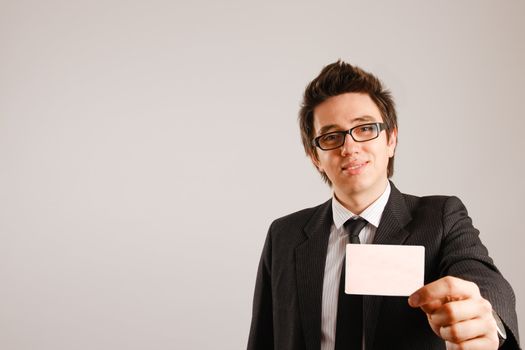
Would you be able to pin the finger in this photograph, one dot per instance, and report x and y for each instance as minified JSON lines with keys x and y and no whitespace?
{"x":445,"y":289}
{"x":431,"y":307}
{"x":463,"y":331}
{"x":475,"y":344}
{"x":462,"y":310}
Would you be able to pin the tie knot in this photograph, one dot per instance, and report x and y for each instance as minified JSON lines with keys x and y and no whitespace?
{"x":353,"y":227}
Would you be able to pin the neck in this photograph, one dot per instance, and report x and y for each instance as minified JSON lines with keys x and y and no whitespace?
{"x":357,"y":202}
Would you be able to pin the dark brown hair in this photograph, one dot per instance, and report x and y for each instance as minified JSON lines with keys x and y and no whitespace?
{"x":336,"y":79}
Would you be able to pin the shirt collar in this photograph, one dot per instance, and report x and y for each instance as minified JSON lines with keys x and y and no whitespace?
{"x":372,"y":213}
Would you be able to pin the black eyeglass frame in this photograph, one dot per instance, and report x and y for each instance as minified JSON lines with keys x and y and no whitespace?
{"x":380,"y":127}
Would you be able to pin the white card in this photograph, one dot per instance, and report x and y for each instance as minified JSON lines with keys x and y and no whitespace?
{"x":377,"y":269}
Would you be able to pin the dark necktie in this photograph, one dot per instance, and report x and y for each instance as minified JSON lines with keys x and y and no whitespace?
{"x":349,"y":328}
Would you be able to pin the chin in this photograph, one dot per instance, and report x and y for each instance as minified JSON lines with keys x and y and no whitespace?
{"x":351,"y":189}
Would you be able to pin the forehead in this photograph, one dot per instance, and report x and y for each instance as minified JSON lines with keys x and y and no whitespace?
{"x":346,"y":110}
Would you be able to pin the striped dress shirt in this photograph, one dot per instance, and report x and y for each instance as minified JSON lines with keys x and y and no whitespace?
{"x":335,"y":256}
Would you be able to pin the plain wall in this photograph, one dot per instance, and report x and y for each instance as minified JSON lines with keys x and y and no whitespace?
{"x":145,"y":147}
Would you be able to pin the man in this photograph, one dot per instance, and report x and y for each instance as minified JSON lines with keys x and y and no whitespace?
{"x":349,"y":130}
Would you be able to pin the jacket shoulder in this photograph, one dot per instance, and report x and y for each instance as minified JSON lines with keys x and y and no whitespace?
{"x":297,"y":221}
{"x":300,"y":218}
{"x":432,"y":202}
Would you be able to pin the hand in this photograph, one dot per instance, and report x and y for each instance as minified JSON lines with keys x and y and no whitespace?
{"x":458,"y":313}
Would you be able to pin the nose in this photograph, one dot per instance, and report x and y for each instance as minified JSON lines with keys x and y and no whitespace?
{"x":350,"y":146}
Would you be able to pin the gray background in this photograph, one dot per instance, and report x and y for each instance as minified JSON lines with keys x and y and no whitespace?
{"x":145,"y":147}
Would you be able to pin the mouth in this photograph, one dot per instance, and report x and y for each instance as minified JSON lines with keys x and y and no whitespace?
{"x":354,"y":168}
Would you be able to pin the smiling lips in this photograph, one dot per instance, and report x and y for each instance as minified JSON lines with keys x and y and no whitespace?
{"x":354,"y":168}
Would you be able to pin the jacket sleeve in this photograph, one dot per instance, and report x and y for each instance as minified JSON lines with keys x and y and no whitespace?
{"x":464,"y":256}
{"x":261,"y":329}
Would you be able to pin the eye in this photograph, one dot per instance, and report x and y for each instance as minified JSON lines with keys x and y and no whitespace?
{"x":366,"y":128}
{"x":333,"y":139}
{"x":330,"y":137}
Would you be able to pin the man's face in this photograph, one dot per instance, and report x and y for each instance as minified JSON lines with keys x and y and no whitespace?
{"x":356,"y":169}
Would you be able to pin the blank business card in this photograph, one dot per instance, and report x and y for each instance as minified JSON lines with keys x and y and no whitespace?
{"x":376,"y":269}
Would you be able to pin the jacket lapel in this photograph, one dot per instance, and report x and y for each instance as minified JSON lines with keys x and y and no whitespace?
{"x":390,"y":231}
{"x":310,"y":264}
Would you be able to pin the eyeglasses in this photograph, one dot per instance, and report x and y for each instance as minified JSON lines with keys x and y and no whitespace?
{"x":360,"y":133}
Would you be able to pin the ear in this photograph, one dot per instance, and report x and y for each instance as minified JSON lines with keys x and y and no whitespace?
{"x":392,"y":143}
{"x":315,"y":160}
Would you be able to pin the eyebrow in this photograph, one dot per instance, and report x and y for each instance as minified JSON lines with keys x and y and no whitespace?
{"x":327,"y":128}
{"x":364,"y":118}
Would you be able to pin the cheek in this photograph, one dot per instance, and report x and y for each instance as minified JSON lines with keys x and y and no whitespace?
{"x":319,"y":162}
{"x":329,"y":163}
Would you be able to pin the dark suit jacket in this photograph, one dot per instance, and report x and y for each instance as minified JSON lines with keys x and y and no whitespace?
{"x":288,"y":291}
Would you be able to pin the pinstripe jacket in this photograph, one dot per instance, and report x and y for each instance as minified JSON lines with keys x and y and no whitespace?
{"x":288,"y":290}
